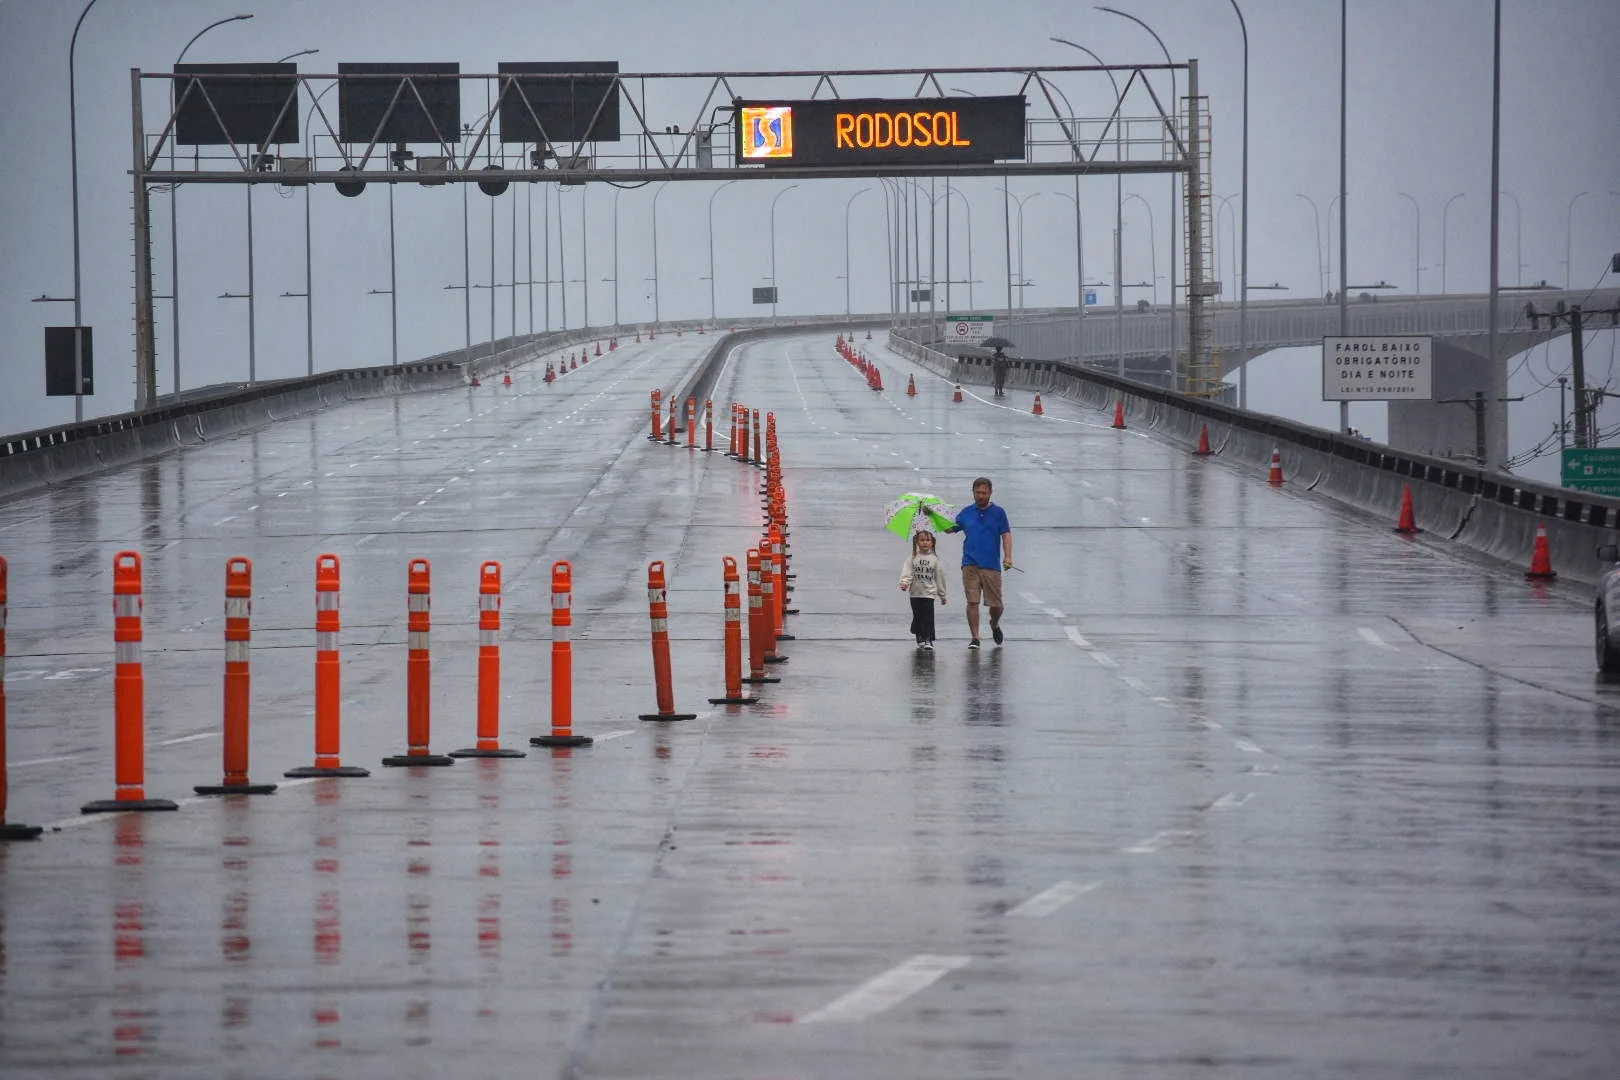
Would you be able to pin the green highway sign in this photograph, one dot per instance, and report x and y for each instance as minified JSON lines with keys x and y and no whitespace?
{"x":1594,"y":469}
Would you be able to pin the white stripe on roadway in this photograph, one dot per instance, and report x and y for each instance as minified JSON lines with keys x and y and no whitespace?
{"x":1044,"y":903}
{"x":887,"y":990}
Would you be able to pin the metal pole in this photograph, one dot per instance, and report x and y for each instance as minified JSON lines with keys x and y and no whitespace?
{"x":1417,"y":250}
{"x":562,"y":261}
{"x":1344,"y":172}
{"x":1243,"y":203}
{"x":492,"y":277}
{"x":466,"y":269}
{"x":616,"y":193}
{"x":779,"y":194}
{"x":847,"y":205}
{"x":393,"y":284}
{"x":657,"y":310}
{"x":253,"y":375}
{"x":1497,"y":406}
{"x":145,"y":331}
{"x":1445,"y":211}
{"x":1569,"y":248}
{"x":528,"y":228}
{"x":585,"y":257}
{"x":712,"y":313}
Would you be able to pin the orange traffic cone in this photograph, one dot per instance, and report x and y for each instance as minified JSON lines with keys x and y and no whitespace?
{"x":1275,"y":476}
{"x":911,"y":386}
{"x":506,"y":380}
{"x":1541,"y":559}
{"x":1203,"y":441}
{"x":1407,"y":523}
{"x":958,"y":395}
{"x":598,"y":348}
{"x":475,"y":381}
{"x":1119,"y":413}
{"x":1037,"y":410}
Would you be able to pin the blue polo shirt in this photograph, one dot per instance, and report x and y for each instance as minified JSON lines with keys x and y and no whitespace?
{"x":981,"y":535}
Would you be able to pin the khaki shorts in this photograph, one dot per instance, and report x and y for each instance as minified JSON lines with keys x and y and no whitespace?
{"x":977,"y":580}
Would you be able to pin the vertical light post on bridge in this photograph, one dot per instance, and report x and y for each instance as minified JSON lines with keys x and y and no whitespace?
{"x":1119,"y":212}
{"x":174,"y":195}
{"x":968,"y":207}
{"x":1417,"y":244}
{"x":712,"y":313}
{"x":847,"y":205}
{"x":1021,"y":283}
{"x":617,"y":191}
{"x":1079,"y":239}
{"x":1569,"y":241}
{"x":1518,"y":239}
{"x":657,"y":313}
{"x":1443,"y":236}
{"x":1316,"y":218}
{"x":1344,"y":198}
{"x":1153,"y":246}
{"x":309,"y":262}
{"x":1243,"y":210}
{"x":778,"y":195}
{"x":78,"y":281}
{"x":1175,"y":186}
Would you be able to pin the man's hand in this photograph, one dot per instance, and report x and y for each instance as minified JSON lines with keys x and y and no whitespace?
{"x":1006,"y":564}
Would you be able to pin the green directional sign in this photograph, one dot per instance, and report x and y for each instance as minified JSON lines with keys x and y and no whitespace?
{"x":1596,"y":470}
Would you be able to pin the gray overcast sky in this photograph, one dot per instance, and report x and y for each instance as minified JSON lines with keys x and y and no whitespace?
{"x":1420,"y":80}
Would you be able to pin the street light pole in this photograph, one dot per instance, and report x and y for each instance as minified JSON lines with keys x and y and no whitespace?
{"x":1417,"y":247}
{"x":73,"y":155}
{"x":712,"y":314}
{"x":1243,"y":204}
{"x":657,"y":311}
{"x":1569,"y":251}
{"x":779,"y":194}
{"x":1079,"y":272}
{"x":616,"y":193}
{"x":1316,"y":218}
{"x":847,"y":205}
{"x":1153,"y":244}
{"x":1518,"y":238}
{"x":174,"y":194}
{"x":949,"y":191}
{"x":1443,"y":231}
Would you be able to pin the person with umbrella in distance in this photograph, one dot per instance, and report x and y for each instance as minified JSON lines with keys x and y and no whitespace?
{"x":987,"y":534}
{"x":998,"y":362}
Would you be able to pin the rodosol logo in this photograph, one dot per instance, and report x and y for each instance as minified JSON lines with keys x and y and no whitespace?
{"x":767,"y":132}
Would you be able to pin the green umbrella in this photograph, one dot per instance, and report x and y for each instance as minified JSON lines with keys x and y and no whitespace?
{"x":914,"y":511}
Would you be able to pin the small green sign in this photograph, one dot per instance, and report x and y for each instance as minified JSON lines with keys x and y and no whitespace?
{"x":1595,"y":469}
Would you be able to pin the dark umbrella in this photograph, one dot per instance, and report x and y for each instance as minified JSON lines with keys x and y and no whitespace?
{"x":996,"y":343}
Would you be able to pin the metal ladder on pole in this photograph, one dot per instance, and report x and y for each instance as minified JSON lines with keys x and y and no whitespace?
{"x":1203,"y":368}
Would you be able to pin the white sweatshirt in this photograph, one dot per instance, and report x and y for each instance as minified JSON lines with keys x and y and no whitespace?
{"x":922,"y":576}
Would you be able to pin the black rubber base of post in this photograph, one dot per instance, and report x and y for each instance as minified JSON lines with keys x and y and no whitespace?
{"x":234,"y":789}
{"x":20,"y":832}
{"x":402,"y":761}
{"x":475,"y":752}
{"x":734,"y":701}
{"x":317,"y":770}
{"x":668,"y":716}
{"x":115,"y":806}
{"x":755,"y":680}
{"x":776,"y":659}
{"x":786,"y":637}
{"x":561,"y":740}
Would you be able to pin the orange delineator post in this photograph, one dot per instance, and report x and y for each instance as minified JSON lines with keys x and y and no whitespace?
{"x":674,"y":428}
{"x":8,"y":831}
{"x":756,"y":623}
{"x":238,"y":636}
{"x":708,"y":425}
{"x":757,"y":445}
{"x":328,"y":675}
{"x":768,"y":587}
{"x":779,"y":576}
{"x":733,"y":609}
{"x":562,"y":661}
{"x":663,"y":682}
{"x":418,"y":671}
{"x":129,"y":695}
{"x":657,"y":415}
{"x":489,"y":667}
{"x":691,"y":423}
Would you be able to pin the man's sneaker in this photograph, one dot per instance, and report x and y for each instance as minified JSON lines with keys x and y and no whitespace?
{"x":974,"y":644}
{"x":929,"y":645}
{"x":995,"y":632}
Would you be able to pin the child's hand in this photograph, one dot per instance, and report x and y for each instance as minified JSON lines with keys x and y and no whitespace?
{"x":904,"y":585}
{"x":942,"y":601}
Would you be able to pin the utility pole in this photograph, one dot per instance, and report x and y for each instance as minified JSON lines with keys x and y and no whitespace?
{"x":1586,"y":401}
{"x":1477,"y":403}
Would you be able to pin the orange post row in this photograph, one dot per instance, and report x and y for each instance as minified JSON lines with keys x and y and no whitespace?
{"x":8,"y":831}
{"x":756,"y":623}
{"x":129,"y":695}
{"x":708,"y":425}
{"x":238,"y":637}
{"x":562,"y":661}
{"x":489,"y":666}
{"x":657,"y":414}
{"x":418,"y":670}
{"x":663,"y":679}
{"x":328,"y":675}
{"x":691,"y":423}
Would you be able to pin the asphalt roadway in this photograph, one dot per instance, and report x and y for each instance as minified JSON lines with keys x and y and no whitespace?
{"x":1255,"y":787}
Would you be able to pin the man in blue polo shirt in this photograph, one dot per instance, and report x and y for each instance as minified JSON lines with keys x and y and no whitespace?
{"x":987,"y":533}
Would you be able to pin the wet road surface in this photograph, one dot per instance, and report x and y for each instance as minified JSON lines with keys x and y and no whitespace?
{"x":1255,"y":786}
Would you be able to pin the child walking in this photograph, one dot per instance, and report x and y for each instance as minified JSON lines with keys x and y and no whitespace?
{"x":922,"y":578}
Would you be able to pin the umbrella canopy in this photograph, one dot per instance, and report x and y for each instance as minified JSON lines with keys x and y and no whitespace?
{"x":996,"y":343}
{"x":915,"y":511}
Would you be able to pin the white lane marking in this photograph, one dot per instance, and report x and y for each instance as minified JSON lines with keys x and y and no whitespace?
{"x":1074,"y":636}
{"x":1248,"y":747}
{"x":1104,"y":660}
{"x":887,"y":990}
{"x":1156,"y":841}
{"x":223,"y":520}
{"x":615,"y":735}
{"x":1371,"y":637}
{"x":1044,"y":903}
{"x":1231,"y":800}
{"x":187,"y":738}
{"x":366,"y":539}
{"x":1055,"y":613}
{"x":1262,"y":770}
{"x":1208,"y":725}
{"x":44,"y":761}
{"x":402,"y":515}
{"x":1134,"y":683}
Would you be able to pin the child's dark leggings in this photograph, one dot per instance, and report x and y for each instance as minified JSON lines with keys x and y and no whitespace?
{"x":922,"y":618}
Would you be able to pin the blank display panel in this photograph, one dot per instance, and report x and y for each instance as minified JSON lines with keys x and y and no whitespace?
{"x":399,"y":103}
{"x":563,"y":103}
{"x":256,"y":103}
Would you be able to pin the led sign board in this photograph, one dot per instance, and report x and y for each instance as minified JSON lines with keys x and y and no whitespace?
{"x":881,"y":131}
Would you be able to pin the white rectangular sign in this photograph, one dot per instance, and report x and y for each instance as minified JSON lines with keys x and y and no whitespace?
{"x":969,"y":329}
{"x":1389,"y":367}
